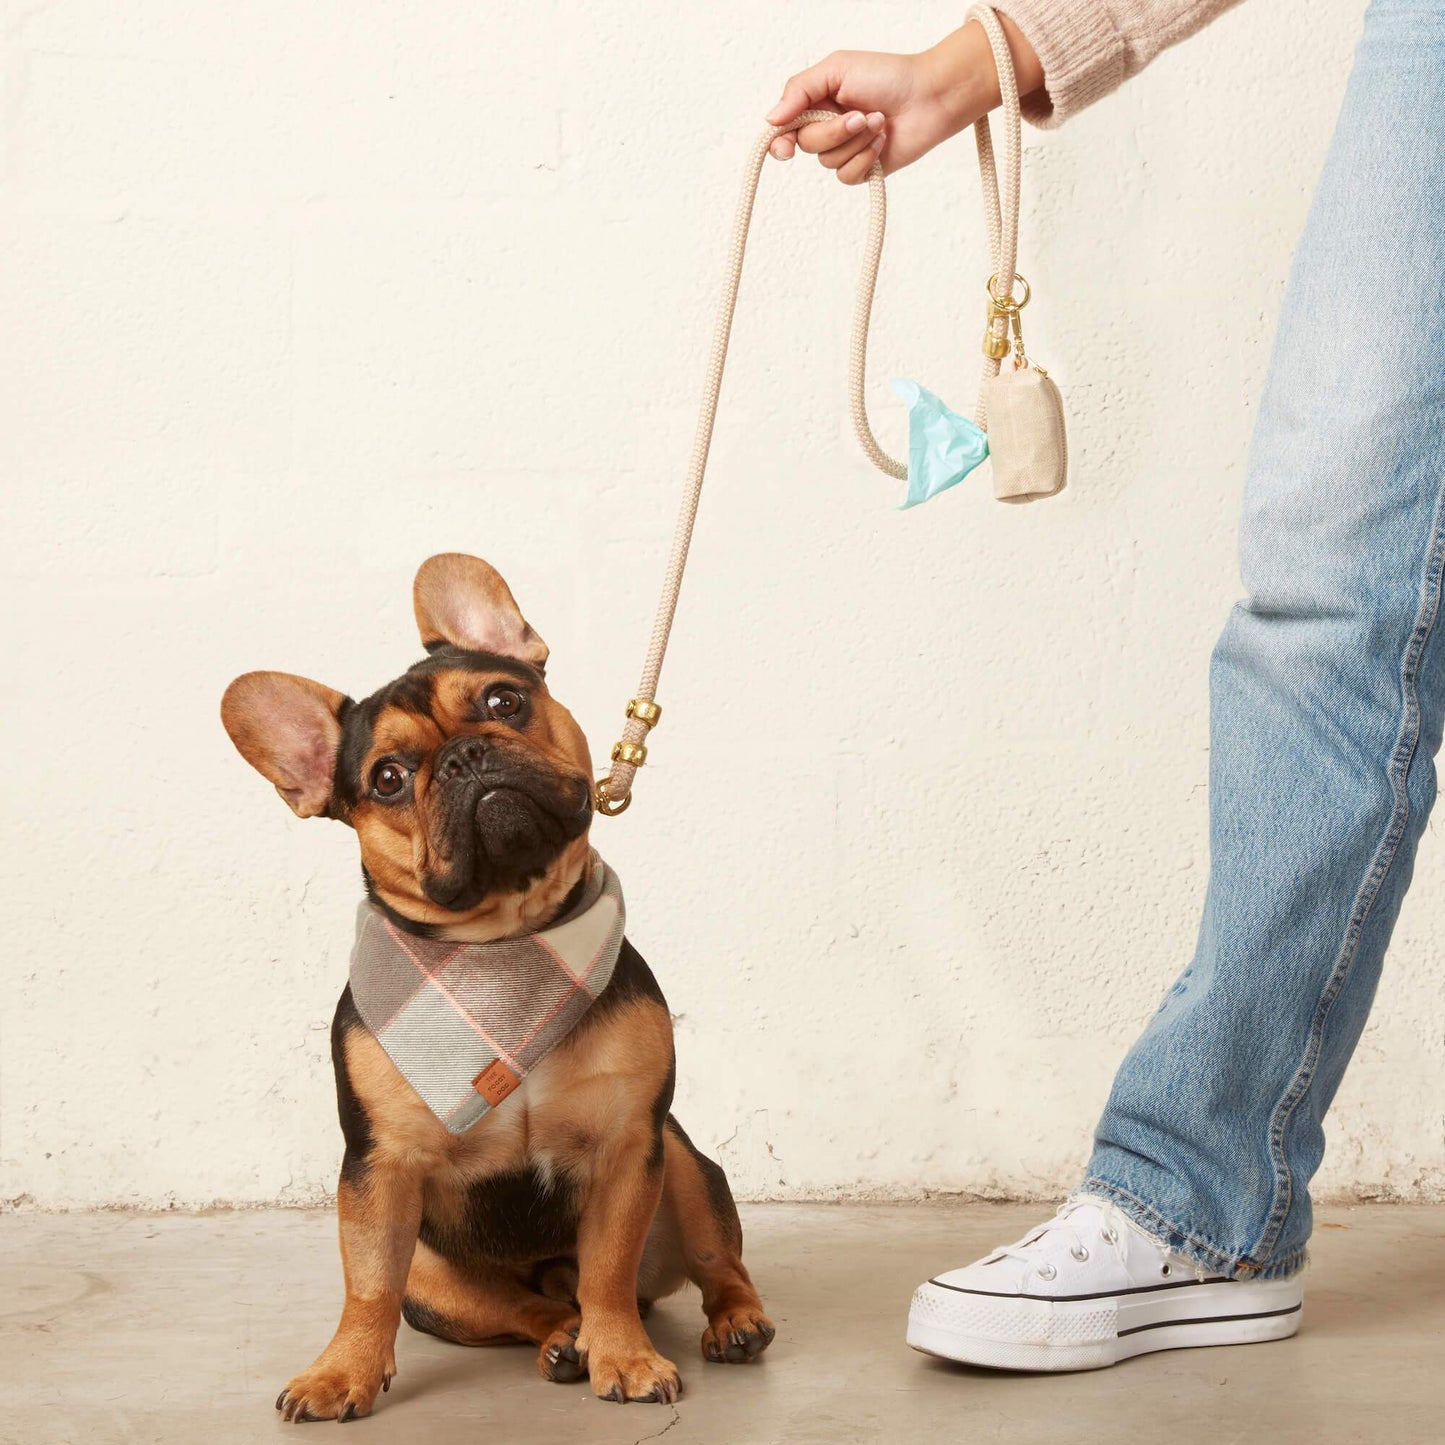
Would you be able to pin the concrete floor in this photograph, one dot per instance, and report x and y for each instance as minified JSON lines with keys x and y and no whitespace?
{"x":146,"y":1328}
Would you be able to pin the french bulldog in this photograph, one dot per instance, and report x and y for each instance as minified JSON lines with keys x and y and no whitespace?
{"x":564,"y":1212}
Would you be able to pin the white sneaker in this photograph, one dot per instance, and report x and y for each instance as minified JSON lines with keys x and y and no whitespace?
{"x":1089,"y":1289}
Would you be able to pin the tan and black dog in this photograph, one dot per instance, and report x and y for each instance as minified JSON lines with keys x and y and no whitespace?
{"x":560,"y":1216}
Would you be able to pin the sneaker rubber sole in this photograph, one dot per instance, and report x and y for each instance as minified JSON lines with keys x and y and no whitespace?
{"x":1017,"y":1332}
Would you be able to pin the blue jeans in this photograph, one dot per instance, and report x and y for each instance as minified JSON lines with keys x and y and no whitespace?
{"x":1327,"y":696}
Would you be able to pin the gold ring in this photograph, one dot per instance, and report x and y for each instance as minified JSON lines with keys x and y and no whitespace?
{"x":1009,"y":304}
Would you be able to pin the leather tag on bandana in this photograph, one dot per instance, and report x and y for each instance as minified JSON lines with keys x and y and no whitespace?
{"x":495,"y":1082}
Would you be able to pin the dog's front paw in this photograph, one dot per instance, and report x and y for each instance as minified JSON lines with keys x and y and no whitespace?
{"x":559,"y":1359}
{"x":331,"y":1392}
{"x":734,"y":1337}
{"x":641,"y":1375}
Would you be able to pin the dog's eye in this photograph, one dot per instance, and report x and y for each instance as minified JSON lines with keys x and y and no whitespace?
{"x":503,"y":703}
{"x":388,"y":780}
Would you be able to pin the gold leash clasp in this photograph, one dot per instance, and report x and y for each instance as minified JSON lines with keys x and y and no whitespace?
{"x":1001,"y":315}
{"x":603,"y":801}
{"x":634,"y":755}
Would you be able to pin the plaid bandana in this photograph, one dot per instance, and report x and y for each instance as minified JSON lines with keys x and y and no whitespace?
{"x":465,"y":1023}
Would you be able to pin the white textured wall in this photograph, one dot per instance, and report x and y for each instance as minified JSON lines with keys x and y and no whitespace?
{"x":297,"y":295}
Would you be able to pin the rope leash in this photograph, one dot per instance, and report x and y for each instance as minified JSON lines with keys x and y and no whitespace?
{"x":1001,"y":209}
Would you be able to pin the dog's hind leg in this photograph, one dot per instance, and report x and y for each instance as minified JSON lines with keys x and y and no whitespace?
{"x":699,"y":1207}
{"x":491,"y":1305}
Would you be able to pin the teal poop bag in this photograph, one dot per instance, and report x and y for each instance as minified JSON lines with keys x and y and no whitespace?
{"x":943,"y":447}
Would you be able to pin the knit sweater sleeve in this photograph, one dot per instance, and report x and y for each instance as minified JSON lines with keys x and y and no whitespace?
{"x":1090,"y":47}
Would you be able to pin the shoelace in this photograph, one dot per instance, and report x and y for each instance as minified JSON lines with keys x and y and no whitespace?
{"x":1111,"y":1234}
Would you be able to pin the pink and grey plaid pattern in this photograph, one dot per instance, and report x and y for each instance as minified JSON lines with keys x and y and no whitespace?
{"x":447,"y":1012}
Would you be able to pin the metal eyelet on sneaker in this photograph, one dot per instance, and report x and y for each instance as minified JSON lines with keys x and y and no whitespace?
{"x":1080,"y":1253}
{"x":1165,"y":1270}
{"x":1047,"y":1271}
{"x":1111,"y":1236}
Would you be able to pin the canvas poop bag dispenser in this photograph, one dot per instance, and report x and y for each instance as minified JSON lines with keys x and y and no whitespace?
{"x":1017,"y":422}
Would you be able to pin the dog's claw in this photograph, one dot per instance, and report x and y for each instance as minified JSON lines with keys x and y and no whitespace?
{"x":737,"y":1337}
{"x":640,"y":1380}
{"x":329,"y":1393}
{"x":561,"y":1361}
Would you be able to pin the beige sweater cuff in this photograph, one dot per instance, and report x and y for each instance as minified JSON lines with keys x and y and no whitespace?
{"x":1080,"y":49}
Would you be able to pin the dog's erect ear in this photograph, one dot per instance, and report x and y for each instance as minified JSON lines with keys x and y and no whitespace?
{"x":288,"y":728}
{"x":463,"y":600}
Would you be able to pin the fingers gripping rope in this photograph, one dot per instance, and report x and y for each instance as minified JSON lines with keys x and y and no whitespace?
{"x":614,"y":791}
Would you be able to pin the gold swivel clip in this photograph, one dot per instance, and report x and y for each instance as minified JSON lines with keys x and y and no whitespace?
{"x":1003,"y":314}
{"x":602,"y":800}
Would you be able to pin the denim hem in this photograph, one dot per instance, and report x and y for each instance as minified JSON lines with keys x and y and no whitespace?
{"x":1181,"y":1241}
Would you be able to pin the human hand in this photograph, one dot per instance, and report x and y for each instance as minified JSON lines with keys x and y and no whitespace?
{"x":895,"y":108}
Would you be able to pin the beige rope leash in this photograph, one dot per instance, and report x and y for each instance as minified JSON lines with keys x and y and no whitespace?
{"x":614,"y":791}
{"x":1001,"y":210}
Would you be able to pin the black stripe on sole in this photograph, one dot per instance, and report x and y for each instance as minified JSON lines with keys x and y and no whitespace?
{"x":1075,"y":1298}
{"x":1213,"y":1320}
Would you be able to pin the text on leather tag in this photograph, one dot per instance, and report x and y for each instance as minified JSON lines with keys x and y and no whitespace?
{"x":495,"y":1082}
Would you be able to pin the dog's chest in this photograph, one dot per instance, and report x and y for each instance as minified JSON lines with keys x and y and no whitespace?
{"x":508,"y":1188}
{"x":548,"y":1125}
{"x":516,"y":1135}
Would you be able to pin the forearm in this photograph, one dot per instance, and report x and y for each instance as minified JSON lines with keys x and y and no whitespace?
{"x":967,"y":79}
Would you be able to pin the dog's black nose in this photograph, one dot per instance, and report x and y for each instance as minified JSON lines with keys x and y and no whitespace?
{"x":460,"y":758}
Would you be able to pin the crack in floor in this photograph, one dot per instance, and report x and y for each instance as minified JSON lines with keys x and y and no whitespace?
{"x":657,"y":1434}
